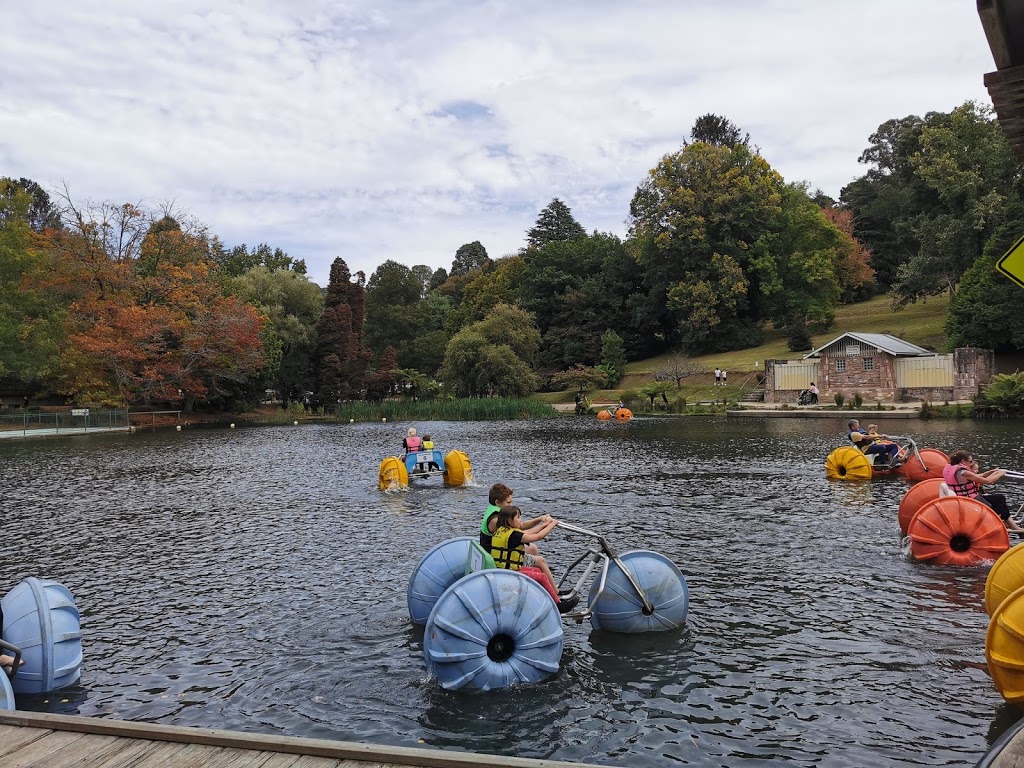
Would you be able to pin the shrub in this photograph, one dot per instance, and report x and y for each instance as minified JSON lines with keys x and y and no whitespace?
{"x":858,"y":399}
{"x":840,"y":399}
{"x":1003,"y":397}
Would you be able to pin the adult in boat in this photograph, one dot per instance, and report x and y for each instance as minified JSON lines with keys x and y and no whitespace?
{"x":872,"y":444}
{"x":964,"y":479}
{"x":412,"y":443}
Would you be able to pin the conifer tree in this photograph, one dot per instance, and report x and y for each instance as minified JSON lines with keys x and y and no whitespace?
{"x":554,"y":223}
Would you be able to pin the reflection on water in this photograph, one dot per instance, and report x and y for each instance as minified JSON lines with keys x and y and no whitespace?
{"x":254,"y":579}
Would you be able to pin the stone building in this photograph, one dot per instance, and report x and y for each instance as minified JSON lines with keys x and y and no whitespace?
{"x":880,"y":368}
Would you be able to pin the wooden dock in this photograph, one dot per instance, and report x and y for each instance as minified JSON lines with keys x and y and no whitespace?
{"x":61,"y":741}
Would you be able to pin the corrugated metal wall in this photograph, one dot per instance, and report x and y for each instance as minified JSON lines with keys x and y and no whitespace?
{"x":796,"y":375}
{"x":934,"y":371}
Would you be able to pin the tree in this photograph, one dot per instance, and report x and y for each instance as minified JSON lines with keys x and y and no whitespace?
{"x":495,"y":353}
{"x":579,"y":377}
{"x":853,"y":261}
{"x":340,"y":358}
{"x":469,"y":257}
{"x":292,"y":305}
{"x":381,"y":382}
{"x":677,"y":367}
{"x":701,"y":228}
{"x":240,"y":260}
{"x":41,"y":212}
{"x":613,"y":355}
{"x":554,"y":223}
{"x":31,"y":322}
{"x":718,"y":131}
{"x":968,"y":168}
{"x":655,"y":390}
{"x":985,"y":312}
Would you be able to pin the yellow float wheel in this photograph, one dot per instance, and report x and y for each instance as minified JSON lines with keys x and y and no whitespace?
{"x":1005,"y":577}
{"x":1004,"y":647}
{"x":457,"y":470}
{"x":393,"y":474}
{"x":847,"y":463}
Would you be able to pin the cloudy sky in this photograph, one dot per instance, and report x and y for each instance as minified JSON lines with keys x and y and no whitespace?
{"x":396,"y":129}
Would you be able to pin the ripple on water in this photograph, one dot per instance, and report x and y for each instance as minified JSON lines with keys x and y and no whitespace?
{"x":255,"y":579}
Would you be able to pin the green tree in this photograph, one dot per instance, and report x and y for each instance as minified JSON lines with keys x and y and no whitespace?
{"x":340,"y":359}
{"x":613,"y":355}
{"x":495,"y":353}
{"x":555,"y":223}
{"x":579,"y":377}
{"x":292,"y":305}
{"x":718,"y":131}
{"x":968,"y":168}
{"x":469,"y":257}
{"x":701,"y":228}
{"x":41,"y":213}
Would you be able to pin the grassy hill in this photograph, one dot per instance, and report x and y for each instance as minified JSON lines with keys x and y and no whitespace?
{"x":922,"y":324}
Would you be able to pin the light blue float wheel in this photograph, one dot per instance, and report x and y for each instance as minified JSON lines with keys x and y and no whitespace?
{"x":41,"y":618}
{"x":437,"y":570}
{"x":493,"y":629}
{"x":6,"y":693}
{"x":620,"y":609}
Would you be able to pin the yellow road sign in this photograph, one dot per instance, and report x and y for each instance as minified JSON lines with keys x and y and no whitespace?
{"x":1011,"y":263}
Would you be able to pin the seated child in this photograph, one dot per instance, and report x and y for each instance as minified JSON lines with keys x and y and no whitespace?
{"x":500,"y":496}
{"x":508,"y":544}
{"x":428,"y":445}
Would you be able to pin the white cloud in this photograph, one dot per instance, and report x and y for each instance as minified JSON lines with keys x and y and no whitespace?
{"x":399,"y":130}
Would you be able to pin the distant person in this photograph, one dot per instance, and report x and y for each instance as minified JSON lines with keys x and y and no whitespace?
{"x":718,"y":376}
{"x":814,"y":393}
{"x":725,"y":377}
{"x":964,"y":479}
{"x":579,"y":403}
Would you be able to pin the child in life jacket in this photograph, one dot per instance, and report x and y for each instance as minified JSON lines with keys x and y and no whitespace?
{"x":508,"y":548}
{"x":411,"y":443}
{"x":428,"y":445}
{"x":500,"y":496}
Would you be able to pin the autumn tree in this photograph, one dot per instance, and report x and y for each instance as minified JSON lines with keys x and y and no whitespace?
{"x":853,"y":261}
{"x":555,"y":223}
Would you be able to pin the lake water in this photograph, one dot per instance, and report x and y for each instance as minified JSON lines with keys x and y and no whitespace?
{"x":255,"y":579}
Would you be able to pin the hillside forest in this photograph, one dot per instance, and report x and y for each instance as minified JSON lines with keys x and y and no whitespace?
{"x":124,"y":304}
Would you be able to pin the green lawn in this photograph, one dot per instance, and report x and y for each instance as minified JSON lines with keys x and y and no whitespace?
{"x":922,"y":324}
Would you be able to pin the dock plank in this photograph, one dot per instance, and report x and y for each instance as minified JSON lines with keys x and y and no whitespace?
{"x":41,"y":739}
{"x":39,"y":751}
{"x":12,"y":738}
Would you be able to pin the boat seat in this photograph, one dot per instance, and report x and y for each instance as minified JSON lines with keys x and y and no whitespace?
{"x":479,"y":559}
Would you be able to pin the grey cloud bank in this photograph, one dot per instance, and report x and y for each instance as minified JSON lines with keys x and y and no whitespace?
{"x":403,"y":130}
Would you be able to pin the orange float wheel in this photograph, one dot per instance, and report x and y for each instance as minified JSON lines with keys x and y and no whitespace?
{"x":603,"y":416}
{"x":915,"y":498}
{"x":956,"y":530}
{"x":623,"y":414}
{"x":925,"y":465}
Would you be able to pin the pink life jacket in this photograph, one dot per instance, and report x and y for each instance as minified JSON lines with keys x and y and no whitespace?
{"x":412,"y":444}
{"x":968,"y":488}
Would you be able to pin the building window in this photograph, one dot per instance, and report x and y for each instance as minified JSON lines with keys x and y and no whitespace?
{"x":869,"y":363}
{"x":840,"y":366}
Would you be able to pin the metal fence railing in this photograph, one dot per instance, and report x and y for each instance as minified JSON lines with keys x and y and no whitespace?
{"x":71,"y":420}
